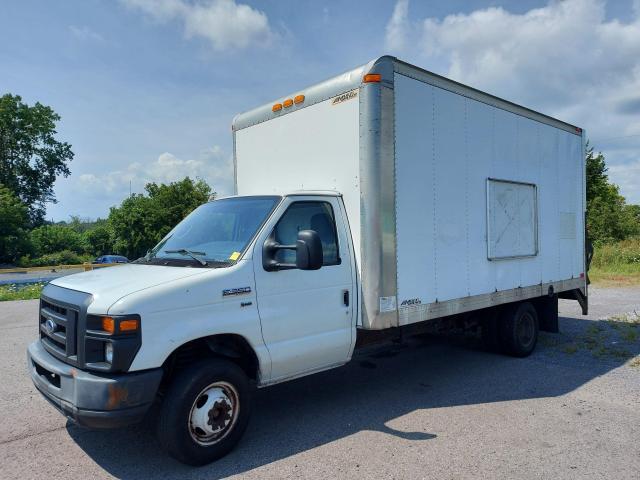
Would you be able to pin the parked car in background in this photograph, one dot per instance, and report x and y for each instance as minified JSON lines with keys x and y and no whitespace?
{"x":111,"y":259}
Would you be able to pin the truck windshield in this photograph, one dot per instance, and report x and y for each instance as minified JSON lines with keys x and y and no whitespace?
{"x":216,"y":232}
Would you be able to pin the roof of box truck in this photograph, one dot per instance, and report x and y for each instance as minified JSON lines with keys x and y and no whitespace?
{"x":385,"y":66}
{"x":291,"y":193}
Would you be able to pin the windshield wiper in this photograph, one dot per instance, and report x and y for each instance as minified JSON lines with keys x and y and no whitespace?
{"x":190,"y":253}
{"x":151,"y":253}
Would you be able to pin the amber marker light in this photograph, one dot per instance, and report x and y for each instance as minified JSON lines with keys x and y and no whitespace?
{"x":287,"y":103}
{"x":372,"y":78}
{"x":276,"y":107}
{"x":298,"y":99}
{"x":108,"y":324}
{"x":129,"y":325}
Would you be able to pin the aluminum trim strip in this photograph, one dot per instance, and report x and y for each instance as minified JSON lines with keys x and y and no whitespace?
{"x":429,"y":311}
{"x":377,"y":206}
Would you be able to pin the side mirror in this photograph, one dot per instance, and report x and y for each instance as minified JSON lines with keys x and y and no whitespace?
{"x":308,"y":250}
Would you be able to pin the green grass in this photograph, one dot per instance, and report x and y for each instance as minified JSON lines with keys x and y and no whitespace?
{"x":615,"y":276}
{"x":616,"y":264}
{"x":20,"y":292}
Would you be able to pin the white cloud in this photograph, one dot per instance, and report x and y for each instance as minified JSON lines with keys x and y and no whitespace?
{"x":212,"y":165}
{"x":565,"y":59}
{"x":398,"y":27}
{"x":627,"y":177}
{"x":85,"y":33}
{"x":225,"y":23}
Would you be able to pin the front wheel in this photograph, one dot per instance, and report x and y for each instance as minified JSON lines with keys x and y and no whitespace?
{"x":205,"y":412}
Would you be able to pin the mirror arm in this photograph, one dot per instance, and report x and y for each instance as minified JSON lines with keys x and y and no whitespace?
{"x":272,"y":265}
{"x":283,"y":247}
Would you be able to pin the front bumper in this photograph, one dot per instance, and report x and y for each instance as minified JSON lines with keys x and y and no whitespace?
{"x":93,"y":400}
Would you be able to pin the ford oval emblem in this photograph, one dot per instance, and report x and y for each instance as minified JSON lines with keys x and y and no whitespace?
{"x":50,"y":326}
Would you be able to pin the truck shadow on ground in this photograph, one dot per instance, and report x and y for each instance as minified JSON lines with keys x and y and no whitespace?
{"x":373,"y":390}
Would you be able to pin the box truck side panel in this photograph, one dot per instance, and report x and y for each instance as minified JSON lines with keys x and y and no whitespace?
{"x":488,"y":203}
{"x":313,"y":148}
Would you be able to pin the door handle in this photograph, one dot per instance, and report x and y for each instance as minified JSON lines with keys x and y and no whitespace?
{"x":345,"y":298}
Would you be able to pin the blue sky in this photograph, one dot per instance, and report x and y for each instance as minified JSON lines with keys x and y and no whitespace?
{"x":147,"y":89}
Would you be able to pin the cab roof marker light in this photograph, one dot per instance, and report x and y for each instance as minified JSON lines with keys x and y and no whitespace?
{"x":276,"y":107}
{"x":287,"y":103}
{"x":298,"y":99}
{"x":372,"y":78}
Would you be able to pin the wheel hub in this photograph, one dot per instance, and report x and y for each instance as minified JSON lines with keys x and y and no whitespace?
{"x":213,"y":413}
{"x":220,"y":414}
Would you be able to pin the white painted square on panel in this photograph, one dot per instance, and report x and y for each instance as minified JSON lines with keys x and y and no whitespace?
{"x":511,"y":219}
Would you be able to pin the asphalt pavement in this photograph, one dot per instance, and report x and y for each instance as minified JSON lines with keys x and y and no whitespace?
{"x":433,"y":408}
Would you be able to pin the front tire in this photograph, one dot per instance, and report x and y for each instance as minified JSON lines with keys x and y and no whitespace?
{"x":205,"y":412}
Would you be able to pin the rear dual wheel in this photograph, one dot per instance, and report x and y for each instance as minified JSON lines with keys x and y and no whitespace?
{"x":512,"y":330}
{"x":519,"y":329}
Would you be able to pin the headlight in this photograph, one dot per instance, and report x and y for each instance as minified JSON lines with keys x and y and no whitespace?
{"x":111,"y":342}
{"x":108,"y":352}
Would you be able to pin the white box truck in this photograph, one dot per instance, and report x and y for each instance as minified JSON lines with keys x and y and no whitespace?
{"x":385,"y":200}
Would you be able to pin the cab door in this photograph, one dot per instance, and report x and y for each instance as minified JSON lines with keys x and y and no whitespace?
{"x":307,"y":316}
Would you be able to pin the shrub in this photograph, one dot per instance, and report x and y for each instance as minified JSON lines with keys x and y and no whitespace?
{"x":64,"y":257}
{"x":49,"y":239}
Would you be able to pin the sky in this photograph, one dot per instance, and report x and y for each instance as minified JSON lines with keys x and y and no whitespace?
{"x":147,"y":89}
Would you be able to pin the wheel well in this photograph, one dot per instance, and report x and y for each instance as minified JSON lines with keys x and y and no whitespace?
{"x":230,"y":346}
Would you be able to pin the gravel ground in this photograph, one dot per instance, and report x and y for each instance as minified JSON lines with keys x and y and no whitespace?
{"x":430,"y":409}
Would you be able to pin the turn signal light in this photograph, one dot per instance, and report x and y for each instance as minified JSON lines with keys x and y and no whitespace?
{"x":129,"y":325}
{"x":108,"y":324}
{"x":298,"y":99}
{"x":372,"y":78}
{"x":276,"y":107}
{"x":287,"y":103}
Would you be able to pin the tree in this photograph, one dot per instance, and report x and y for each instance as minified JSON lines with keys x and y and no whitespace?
{"x":130,"y":224}
{"x":609,"y":218}
{"x":30,"y":156}
{"x":141,"y":220}
{"x":48,"y":239}
{"x":175,"y":201}
{"x":13,"y":226}
{"x":99,"y":238}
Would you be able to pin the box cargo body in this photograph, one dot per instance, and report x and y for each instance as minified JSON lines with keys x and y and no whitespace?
{"x":458,"y":200}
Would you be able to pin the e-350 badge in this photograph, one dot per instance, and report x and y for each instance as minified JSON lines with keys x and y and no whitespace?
{"x":344,"y":97}
{"x":235,"y":291}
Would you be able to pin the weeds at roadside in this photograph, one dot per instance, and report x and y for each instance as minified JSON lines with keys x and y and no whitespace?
{"x":616,"y":338}
{"x":15,"y":291}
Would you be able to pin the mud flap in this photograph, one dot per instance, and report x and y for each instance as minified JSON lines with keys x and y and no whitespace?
{"x":547,"y":309}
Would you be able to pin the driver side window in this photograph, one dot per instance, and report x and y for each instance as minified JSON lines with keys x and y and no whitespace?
{"x":316,"y":216}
